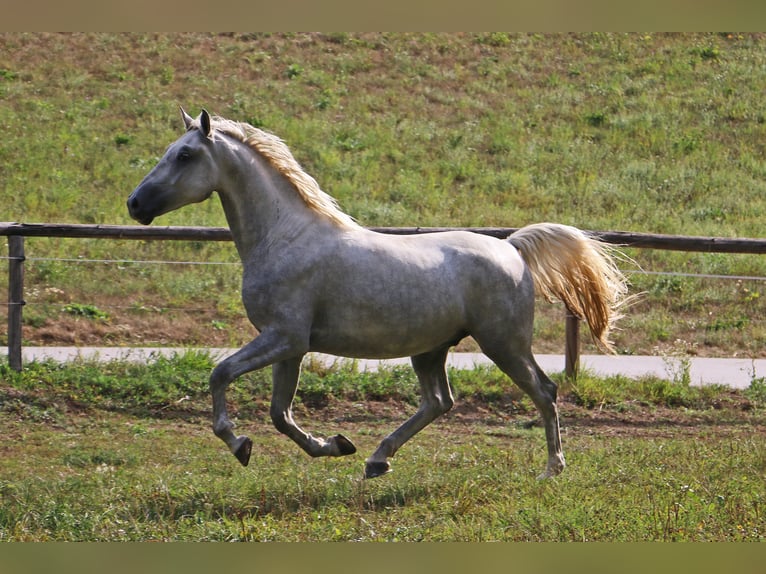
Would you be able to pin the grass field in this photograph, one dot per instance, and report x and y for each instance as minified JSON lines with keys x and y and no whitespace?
{"x":120,"y":452}
{"x":641,"y":132}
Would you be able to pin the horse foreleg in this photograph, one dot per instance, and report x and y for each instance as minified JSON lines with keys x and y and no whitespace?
{"x":285,"y":381}
{"x":262,"y":351}
{"x":436,"y":399}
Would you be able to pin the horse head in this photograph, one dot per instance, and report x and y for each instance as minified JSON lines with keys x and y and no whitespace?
{"x":187,"y":173}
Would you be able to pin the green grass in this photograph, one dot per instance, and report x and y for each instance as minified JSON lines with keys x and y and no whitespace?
{"x":162,"y":382}
{"x":452,"y":493}
{"x":119,"y":451}
{"x":642,"y":132}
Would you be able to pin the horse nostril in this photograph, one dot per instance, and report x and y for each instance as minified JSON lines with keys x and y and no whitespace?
{"x":132,"y":203}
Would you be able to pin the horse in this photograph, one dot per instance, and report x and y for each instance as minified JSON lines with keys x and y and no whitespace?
{"x":315,"y":280}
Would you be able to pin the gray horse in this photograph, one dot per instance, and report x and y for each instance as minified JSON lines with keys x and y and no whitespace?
{"x":315,"y":280}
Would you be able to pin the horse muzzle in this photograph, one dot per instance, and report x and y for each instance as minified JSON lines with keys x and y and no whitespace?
{"x":137,"y":212}
{"x":141,"y":207}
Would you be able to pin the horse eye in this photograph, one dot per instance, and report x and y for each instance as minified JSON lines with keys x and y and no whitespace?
{"x":183,"y":155}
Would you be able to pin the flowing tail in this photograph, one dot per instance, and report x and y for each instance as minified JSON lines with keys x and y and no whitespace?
{"x":580,"y":270}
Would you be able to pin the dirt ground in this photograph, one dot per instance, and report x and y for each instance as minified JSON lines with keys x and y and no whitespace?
{"x":730,"y":414}
{"x":733,"y":413}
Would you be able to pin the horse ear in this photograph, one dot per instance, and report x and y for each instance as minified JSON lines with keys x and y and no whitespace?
{"x":187,"y":119}
{"x":204,"y":122}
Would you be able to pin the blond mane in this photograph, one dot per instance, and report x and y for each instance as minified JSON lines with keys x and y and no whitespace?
{"x":279,"y":156}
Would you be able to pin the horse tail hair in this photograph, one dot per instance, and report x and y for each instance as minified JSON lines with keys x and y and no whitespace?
{"x":578,"y":269}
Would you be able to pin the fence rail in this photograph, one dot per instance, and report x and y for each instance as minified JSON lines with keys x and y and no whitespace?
{"x":623,"y":238}
{"x":16,"y":256}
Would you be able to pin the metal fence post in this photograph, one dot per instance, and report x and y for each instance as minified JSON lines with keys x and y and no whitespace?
{"x":572,"y":351}
{"x":15,"y":299}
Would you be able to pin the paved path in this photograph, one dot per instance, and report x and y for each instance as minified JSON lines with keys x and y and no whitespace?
{"x":737,"y":373}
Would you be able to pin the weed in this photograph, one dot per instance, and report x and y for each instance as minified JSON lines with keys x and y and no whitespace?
{"x":337,"y":37}
{"x":756,"y":391}
{"x":708,"y":52}
{"x":496,"y":39}
{"x":596,"y":119}
{"x":293,"y":71}
{"x":726,"y":323}
{"x":86,"y":310}
{"x":34,"y":319}
{"x":669,"y":285}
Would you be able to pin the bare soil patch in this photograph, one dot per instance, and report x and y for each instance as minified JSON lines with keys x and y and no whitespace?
{"x":733,"y":414}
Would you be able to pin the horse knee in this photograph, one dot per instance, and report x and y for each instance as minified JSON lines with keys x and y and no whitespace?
{"x":220,"y":377}
{"x":437,"y":406}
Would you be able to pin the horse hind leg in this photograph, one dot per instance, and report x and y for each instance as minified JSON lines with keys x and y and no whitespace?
{"x":530,"y":378}
{"x":549,"y":411}
{"x":435,"y":400}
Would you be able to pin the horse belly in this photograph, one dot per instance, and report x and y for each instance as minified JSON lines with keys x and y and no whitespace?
{"x":376,"y":345}
{"x":398,"y":330}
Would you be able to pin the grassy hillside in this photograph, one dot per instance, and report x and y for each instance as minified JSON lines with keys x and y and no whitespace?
{"x":643,"y":132}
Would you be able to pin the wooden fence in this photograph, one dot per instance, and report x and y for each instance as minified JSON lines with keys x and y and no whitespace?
{"x":16,"y":233}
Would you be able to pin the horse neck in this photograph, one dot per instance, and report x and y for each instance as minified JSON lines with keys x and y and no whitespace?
{"x":261,"y":205}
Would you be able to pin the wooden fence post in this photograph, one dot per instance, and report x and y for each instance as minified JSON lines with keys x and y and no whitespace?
{"x":572,"y":350}
{"x":15,"y":299}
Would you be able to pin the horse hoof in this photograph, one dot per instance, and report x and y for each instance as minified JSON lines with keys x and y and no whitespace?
{"x":375,"y":469}
{"x":345,"y":446}
{"x":243,"y":452}
{"x":549,"y":474}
